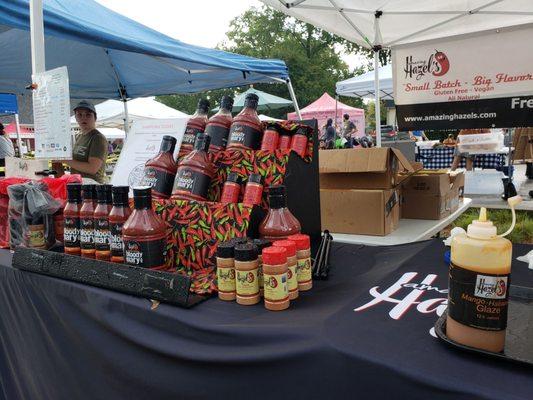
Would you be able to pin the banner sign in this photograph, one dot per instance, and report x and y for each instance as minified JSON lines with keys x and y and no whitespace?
{"x":143,"y":143}
{"x":481,"y":81}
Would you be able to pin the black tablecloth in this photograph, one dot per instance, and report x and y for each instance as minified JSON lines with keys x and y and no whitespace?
{"x":61,"y":340}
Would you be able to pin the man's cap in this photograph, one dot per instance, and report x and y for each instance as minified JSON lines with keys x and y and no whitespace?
{"x":85,"y":104}
{"x":346,"y":116}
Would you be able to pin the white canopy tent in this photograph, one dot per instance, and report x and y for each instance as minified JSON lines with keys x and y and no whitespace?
{"x":379,"y":24}
{"x":363,"y":85}
{"x":263,"y":117}
{"x":111,"y":113}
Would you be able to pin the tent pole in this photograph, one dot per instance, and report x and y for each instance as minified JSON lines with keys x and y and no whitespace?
{"x":336,"y":107}
{"x":37,"y":36}
{"x":17,"y":127}
{"x":293,"y":98}
{"x":126,"y":117}
{"x":376,"y":96}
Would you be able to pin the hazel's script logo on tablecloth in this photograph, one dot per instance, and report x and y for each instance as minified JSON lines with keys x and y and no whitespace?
{"x":411,"y":298}
{"x":437,"y":64}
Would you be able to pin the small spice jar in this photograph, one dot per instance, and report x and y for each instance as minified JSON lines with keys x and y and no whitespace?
{"x":246,"y":268}
{"x":270,"y":139}
{"x":261,"y":245}
{"x":226,"y":271}
{"x":253,"y":192}
{"x":284,"y":141}
{"x":303,"y":254}
{"x":232,"y":189}
{"x":275,"y":273}
{"x":299,"y":142}
{"x":292,"y":278}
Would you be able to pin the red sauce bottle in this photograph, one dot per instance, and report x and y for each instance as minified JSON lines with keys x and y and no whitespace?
{"x":195,"y":126}
{"x":232,"y":189}
{"x":59,"y":224}
{"x":71,"y":213}
{"x":253,"y":193}
{"x":279,"y":222}
{"x":119,"y":214}
{"x":144,"y":233}
{"x":284,"y":141}
{"x":194,"y":172}
{"x":87,"y":221}
{"x":102,"y":233}
{"x":160,"y":171}
{"x":246,"y":130}
{"x":219,"y":125}
{"x":270,"y":138}
{"x":299,"y":142}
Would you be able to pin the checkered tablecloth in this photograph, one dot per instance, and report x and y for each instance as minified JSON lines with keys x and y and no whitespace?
{"x":442,"y":157}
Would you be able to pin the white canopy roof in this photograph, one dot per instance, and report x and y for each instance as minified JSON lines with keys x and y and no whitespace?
{"x":393,"y":22}
{"x":263,"y":117}
{"x":111,"y":112}
{"x":112,"y":133}
{"x":363,"y":85}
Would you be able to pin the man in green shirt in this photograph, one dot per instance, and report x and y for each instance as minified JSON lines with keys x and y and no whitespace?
{"x":90,"y":148}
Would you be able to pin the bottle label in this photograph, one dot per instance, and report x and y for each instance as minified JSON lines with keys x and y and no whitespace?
{"x":159,"y":180}
{"x":87,"y":233}
{"x":226,"y":279}
{"x":276,"y":288}
{"x":192,"y":182}
{"x":270,"y":140}
{"x":245,"y":136}
{"x":247,"y":283}
{"x":304,"y":270}
{"x":71,"y":233}
{"x":59,"y":227}
{"x":253,"y":194}
{"x":230,"y":193}
{"x":299,"y":144}
{"x":101,"y":234}
{"x":36,"y":236}
{"x":219,"y":135}
{"x":189,"y":137}
{"x":260,"y":277}
{"x":292,"y":278}
{"x":478,"y":300}
{"x":116,"y":245}
{"x":145,"y":254}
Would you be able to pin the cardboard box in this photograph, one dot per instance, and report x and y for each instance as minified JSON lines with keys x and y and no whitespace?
{"x":374,"y":168}
{"x":431,"y":194}
{"x":360,"y":211}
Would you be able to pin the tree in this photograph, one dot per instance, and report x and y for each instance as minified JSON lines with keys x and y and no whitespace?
{"x":311,"y":54}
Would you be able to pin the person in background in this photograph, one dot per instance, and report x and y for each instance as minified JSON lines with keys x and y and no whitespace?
{"x":90,"y":148}
{"x":418,"y":136}
{"x":349,"y":131}
{"x":6,"y":149}
{"x":330,"y":134}
{"x":458,"y":155}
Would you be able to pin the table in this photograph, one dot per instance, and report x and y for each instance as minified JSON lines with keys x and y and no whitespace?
{"x":61,"y":340}
{"x":408,"y":231}
{"x":442,"y":157}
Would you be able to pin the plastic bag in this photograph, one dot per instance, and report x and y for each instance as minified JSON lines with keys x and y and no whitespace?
{"x":31,"y":209}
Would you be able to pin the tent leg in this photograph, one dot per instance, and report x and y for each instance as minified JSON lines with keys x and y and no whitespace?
{"x":37,"y":36}
{"x":376,"y":97}
{"x":19,"y":142}
{"x":126,"y":117}
{"x":293,"y":98}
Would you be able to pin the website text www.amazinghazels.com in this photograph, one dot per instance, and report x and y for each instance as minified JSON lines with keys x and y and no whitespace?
{"x":450,"y":117}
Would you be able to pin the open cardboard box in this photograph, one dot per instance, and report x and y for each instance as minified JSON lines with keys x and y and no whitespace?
{"x":358,"y":189}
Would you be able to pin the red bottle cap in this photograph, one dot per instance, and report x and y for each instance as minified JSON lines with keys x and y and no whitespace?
{"x":289,"y":245}
{"x":274,"y":255}
{"x":303,"y":242}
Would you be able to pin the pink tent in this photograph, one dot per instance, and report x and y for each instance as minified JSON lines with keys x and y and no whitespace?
{"x":325,"y":108}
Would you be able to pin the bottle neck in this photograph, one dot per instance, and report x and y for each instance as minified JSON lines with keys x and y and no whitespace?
{"x":277,"y":202}
{"x":142,"y":203}
{"x":167,"y":146}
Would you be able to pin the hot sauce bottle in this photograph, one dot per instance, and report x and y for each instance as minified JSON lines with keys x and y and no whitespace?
{"x":284,"y":141}
{"x":119,"y":214}
{"x":270,"y":138}
{"x":231,"y":189}
{"x":144,"y":233}
{"x":219,"y":125}
{"x":246,"y":130}
{"x":253,"y":193}
{"x":87,"y":221}
{"x":194,"y":172}
{"x":299,"y":142}
{"x":71,"y":213}
{"x":195,"y":126}
{"x":279,"y":222}
{"x":160,"y":171}
{"x":101,"y":222}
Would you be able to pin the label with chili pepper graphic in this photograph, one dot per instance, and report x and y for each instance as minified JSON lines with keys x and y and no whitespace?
{"x":292,"y":278}
{"x":247,"y":283}
{"x":304,"y":270}
{"x":276,"y":288}
{"x":226,"y":280}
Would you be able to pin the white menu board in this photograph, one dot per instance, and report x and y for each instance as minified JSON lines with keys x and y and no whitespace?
{"x":51,"y":115}
{"x":143,"y":143}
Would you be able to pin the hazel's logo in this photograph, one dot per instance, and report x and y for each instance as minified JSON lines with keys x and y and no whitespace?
{"x":437,"y":64}
{"x":237,"y":134}
{"x":491,"y":287}
{"x":272,"y":282}
{"x":185,"y":180}
{"x":150,"y":177}
{"x":134,"y":255}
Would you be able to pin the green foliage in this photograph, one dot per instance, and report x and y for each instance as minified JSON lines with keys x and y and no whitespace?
{"x":371,"y":112}
{"x":311,"y":54}
{"x":522,"y":233}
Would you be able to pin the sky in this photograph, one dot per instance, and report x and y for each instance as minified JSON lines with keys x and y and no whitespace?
{"x":201,"y":22}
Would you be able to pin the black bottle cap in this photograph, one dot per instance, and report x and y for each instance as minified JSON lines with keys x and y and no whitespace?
{"x":74,"y":192}
{"x":262,"y":244}
{"x":203,"y":105}
{"x":272,"y":127}
{"x":245,"y":252}
{"x":251,"y":100}
{"x":142,"y":197}
{"x":88,"y":192}
{"x":234,"y":177}
{"x":255,"y":178}
{"x":202,"y":142}
{"x":237,"y":241}
{"x":226,"y":249}
{"x":277,"y":197}
{"x":120,"y":195}
{"x":227,"y":103}
{"x":168,"y":144}
{"x":103,"y":194}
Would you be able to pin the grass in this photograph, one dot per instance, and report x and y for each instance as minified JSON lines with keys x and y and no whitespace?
{"x":522,"y":233}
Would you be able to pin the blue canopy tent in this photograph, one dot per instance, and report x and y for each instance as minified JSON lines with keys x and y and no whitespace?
{"x":111,"y":56}
{"x":9,"y":106}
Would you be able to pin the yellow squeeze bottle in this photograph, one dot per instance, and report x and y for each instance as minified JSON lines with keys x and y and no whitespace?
{"x":479,"y":280}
